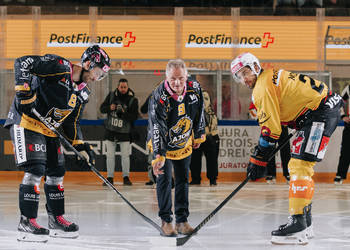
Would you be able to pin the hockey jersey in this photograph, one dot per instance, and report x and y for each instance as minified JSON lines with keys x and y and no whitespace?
{"x":175,"y":122}
{"x":280,"y":97}
{"x":58,"y":99}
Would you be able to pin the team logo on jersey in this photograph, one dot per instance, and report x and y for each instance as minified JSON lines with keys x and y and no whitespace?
{"x":56,"y":116}
{"x":297,"y":143}
{"x":265,"y":131}
{"x":180,"y":133}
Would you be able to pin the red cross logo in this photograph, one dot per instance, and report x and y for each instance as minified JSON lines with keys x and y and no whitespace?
{"x":270,"y":39}
{"x":132,"y":38}
{"x":157,"y":72}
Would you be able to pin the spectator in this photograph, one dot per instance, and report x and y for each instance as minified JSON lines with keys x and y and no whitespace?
{"x":231,"y":106}
{"x":210,"y":147}
{"x":284,"y":152}
{"x":121,"y":107}
{"x":344,"y":159}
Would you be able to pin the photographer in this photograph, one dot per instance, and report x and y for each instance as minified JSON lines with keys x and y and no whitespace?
{"x":122,"y":110}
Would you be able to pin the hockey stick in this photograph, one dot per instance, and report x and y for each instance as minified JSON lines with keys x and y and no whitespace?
{"x":93,"y":169}
{"x":183,"y":240}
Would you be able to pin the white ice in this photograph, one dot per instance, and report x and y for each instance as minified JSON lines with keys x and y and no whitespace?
{"x":245,"y":222}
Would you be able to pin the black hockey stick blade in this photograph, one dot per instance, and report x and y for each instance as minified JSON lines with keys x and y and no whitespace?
{"x":93,"y":169}
{"x":183,"y":240}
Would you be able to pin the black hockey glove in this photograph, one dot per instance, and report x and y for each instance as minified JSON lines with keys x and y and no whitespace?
{"x":87,"y":151}
{"x":257,"y":164}
{"x":26,"y":101}
{"x":300,"y":121}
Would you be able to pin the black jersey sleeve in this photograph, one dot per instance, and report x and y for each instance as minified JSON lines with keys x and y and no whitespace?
{"x":71,"y":125}
{"x":157,"y":111}
{"x":27,"y":67}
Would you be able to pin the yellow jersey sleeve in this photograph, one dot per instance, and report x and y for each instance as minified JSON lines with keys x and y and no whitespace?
{"x":266,"y":100}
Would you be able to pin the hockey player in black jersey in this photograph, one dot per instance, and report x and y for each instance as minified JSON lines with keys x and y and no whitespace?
{"x":176,"y":124}
{"x":58,"y":90}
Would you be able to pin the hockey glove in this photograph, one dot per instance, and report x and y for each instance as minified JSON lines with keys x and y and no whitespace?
{"x":300,"y":121}
{"x":88,"y":153}
{"x":257,"y":165}
{"x":26,"y":101}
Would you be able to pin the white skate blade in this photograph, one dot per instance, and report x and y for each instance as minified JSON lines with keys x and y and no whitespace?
{"x":56,"y":233}
{"x":310,"y":232}
{"x":298,"y":238}
{"x":29,"y":237}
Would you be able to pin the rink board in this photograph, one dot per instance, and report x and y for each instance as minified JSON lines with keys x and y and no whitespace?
{"x":236,"y":144}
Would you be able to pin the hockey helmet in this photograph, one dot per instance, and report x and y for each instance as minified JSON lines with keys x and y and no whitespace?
{"x":98,"y":58}
{"x":241,"y":61}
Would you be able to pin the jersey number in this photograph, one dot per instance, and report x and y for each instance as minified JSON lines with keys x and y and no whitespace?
{"x":181,"y":109}
{"x":304,"y":78}
{"x":117,"y":122}
{"x":72,"y":101}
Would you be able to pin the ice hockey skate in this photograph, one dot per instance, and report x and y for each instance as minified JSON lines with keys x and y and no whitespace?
{"x":270,"y":179}
{"x":30,"y":231}
{"x":61,"y":228}
{"x":310,"y":228}
{"x":292,"y":233}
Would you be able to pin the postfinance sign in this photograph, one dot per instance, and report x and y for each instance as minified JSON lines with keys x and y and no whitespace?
{"x":268,"y":39}
{"x":217,"y":40}
{"x":83,"y":40}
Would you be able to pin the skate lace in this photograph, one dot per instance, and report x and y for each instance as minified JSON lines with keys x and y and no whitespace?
{"x":62,"y":221}
{"x":34,"y":223}
{"x":290,"y":222}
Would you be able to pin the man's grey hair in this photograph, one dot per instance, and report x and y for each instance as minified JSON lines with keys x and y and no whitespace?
{"x":174,"y":64}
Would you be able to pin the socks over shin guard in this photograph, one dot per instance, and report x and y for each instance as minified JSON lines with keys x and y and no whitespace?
{"x":300,"y":194}
{"x":29,"y":196}
{"x":54,"y":199}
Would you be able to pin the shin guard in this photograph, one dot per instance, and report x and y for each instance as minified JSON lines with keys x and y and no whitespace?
{"x":54,"y":199}
{"x":301,"y":191}
{"x":29,"y":196}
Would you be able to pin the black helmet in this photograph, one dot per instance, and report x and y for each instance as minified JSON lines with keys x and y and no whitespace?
{"x":97,"y":57}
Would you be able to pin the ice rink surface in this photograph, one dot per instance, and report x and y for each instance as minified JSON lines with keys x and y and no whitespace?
{"x":245,"y":222}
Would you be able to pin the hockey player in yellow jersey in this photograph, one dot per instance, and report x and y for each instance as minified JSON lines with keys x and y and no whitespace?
{"x":305,"y":104}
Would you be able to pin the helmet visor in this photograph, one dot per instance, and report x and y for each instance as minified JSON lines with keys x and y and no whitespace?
{"x":245,"y":76}
{"x":98,"y":73}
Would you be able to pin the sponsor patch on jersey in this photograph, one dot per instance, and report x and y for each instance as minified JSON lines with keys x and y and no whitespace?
{"x":193,"y":98}
{"x":84,"y":95}
{"x":20,"y":145}
{"x":323,"y":147}
{"x":298,"y":142}
{"x":36,"y":147}
{"x":315,"y":137}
